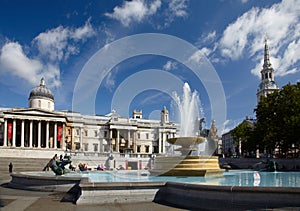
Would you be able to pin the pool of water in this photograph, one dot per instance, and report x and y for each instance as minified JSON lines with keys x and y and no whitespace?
{"x":230,"y":178}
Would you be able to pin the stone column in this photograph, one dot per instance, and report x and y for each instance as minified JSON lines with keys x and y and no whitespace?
{"x":134,"y":142}
{"x":14,"y":133}
{"x":159,"y":141}
{"x":55,"y":135}
{"x":63,"y":141}
{"x":81,"y":142}
{"x":39,"y":133}
{"x":30,"y":133}
{"x":164,"y":143}
{"x":80,"y":138}
{"x":110,"y":140}
{"x":128,"y":143}
{"x":5,"y":133}
{"x":118,"y":141}
{"x":22,"y":133}
{"x":47,"y":134}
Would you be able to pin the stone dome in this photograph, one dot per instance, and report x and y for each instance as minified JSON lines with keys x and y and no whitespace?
{"x":41,"y":91}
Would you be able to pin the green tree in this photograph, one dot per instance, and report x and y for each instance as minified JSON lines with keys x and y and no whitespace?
{"x":244,"y":133}
{"x":278,"y":120}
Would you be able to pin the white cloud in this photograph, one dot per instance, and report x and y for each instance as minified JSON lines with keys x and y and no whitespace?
{"x":245,"y":36}
{"x":170,"y":65}
{"x":136,"y":10}
{"x":200,"y":54}
{"x":175,"y":9}
{"x":53,"y":46}
{"x":178,"y":8}
{"x":230,"y":124}
{"x":143,"y":10}
{"x":14,"y":61}
{"x":59,"y":43}
{"x":83,"y":32}
{"x":110,"y":80}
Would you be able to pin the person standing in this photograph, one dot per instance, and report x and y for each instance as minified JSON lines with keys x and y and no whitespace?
{"x":10,"y":167}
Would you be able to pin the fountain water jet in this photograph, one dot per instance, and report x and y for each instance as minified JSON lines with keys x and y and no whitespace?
{"x":187,"y":164}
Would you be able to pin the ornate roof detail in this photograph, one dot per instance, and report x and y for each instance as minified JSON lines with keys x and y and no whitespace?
{"x":41,"y":91}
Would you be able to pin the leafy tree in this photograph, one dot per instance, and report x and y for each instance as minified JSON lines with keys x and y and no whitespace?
{"x":244,"y":133}
{"x":278,"y":119}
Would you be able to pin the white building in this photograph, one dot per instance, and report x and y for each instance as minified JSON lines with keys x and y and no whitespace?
{"x":42,"y":128}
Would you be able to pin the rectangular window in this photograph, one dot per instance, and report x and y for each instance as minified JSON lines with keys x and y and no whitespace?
{"x":95,"y":147}
{"x":138,"y":148}
{"x":139,"y":135}
{"x":105,"y":134}
{"x":86,"y":147}
{"x":147,"y":135}
{"x":96,"y":133}
{"x":86,"y":132}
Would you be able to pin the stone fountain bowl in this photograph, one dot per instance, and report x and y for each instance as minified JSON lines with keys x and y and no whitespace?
{"x":186,"y":141}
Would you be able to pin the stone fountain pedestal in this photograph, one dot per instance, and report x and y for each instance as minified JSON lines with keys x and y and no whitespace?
{"x":186,"y":165}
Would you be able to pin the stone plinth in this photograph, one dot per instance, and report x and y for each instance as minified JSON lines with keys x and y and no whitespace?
{"x":187,"y":166}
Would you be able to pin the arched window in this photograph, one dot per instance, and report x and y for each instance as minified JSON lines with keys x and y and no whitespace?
{"x":39,"y":104}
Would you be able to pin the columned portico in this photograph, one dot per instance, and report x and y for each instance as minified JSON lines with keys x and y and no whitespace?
{"x":55,"y":135}
{"x":30,"y":133}
{"x":47,"y":134}
{"x":22,"y":133}
{"x":24,"y":128}
{"x":39,"y":134}
{"x":14,"y":133}
{"x":118,"y":142}
{"x":5,"y":133}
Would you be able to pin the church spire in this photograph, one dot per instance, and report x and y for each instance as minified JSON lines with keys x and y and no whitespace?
{"x":267,"y":84}
{"x":267,"y":63}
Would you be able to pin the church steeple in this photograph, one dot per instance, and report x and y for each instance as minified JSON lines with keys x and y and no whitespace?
{"x":267,"y":63}
{"x":267,"y":84}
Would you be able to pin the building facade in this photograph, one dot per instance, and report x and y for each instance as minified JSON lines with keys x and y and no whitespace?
{"x":41,"y":127}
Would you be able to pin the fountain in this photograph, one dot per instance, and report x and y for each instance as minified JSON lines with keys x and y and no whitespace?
{"x":188,"y":164}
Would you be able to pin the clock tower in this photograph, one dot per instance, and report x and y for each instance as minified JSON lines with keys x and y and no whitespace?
{"x":267,"y":84}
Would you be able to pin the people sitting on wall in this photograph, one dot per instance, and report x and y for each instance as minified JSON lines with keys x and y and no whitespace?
{"x":100,"y":168}
{"x":81,"y":167}
{"x":120,"y":167}
{"x":71,"y":167}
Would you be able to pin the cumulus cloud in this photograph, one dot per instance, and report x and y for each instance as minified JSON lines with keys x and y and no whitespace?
{"x":59,"y":43}
{"x":245,"y":36}
{"x":178,"y":8}
{"x":43,"y":58}
{"x":170,"y":65}
{"x":13,"y":60}
{"x":135,"y":10}
{"x":142,"y":10}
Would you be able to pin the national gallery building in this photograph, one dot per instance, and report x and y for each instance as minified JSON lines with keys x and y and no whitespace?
{"x":41,"y":128}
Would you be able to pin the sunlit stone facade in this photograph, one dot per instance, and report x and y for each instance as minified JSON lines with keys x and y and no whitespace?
{"x":42,"y":127}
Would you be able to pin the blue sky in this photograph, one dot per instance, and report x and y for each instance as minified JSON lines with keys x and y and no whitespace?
{"x":56,"y":40}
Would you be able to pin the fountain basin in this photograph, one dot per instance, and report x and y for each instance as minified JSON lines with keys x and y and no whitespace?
{"x":186,"y":141}
{"x":235,"y":190}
